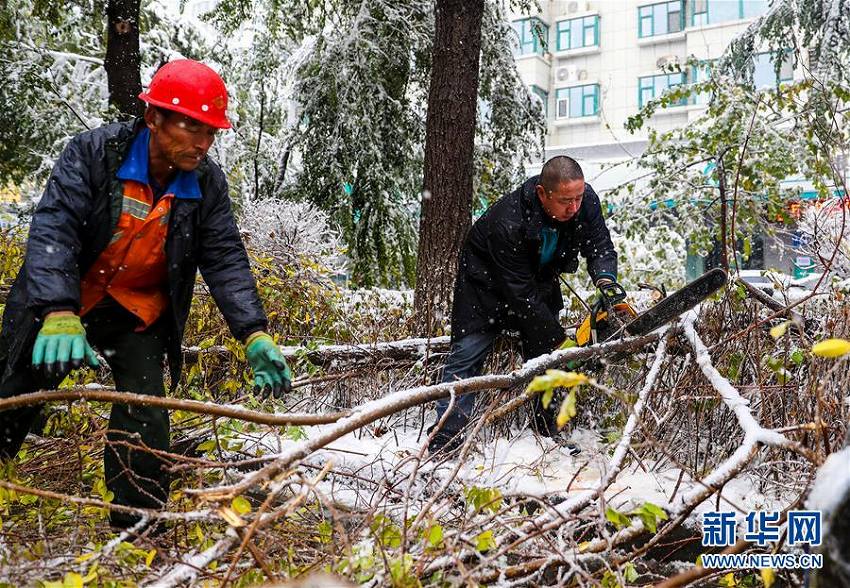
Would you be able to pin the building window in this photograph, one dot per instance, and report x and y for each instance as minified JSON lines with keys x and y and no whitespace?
{"x":651,"y":87}
{"x":764,"y":70}
{"x":705,"y":12}
{"x":753,"y":8}
{"x":578,"y":101}
{"x":660,"y":19}
{"x":701,"y":73}
{"x":533,"y":36}
{"x":578,"y":32}
{"x":544,"y":98}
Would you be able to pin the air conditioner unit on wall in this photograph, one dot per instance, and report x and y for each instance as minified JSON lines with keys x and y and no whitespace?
{"x":582,"y":74}
{"x":576,"y":6}
{"x":566,"y":73}
{"x":667,"y":60}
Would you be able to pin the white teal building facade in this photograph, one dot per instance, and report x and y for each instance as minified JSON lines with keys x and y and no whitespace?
{"x":595,"y":63}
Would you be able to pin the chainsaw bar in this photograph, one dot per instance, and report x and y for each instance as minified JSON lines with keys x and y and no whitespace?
{"x":682,"y":300}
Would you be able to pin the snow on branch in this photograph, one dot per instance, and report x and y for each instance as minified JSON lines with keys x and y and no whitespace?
{"x":730,"y":395}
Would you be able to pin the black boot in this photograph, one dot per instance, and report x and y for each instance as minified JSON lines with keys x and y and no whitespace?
{"x":445,"y":441}
{"x":545,"y":421}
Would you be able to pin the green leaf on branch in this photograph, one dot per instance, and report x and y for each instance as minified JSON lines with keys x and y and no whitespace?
{"x":435,"y":536}
{"x":485,"y":541}
{"x":616,"y":518}
{"x":650,"y":514}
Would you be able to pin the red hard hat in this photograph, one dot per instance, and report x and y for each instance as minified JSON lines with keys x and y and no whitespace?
{"x":192,"y":88}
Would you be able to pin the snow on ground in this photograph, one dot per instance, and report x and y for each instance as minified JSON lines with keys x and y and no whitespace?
{"x":524,"y":464}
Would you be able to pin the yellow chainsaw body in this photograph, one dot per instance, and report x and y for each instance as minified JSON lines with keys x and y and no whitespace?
{"x":624,"y":312}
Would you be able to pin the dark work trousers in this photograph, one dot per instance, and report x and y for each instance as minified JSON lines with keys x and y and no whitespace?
{"x":466,"y":360}
{"x":135,"y":476}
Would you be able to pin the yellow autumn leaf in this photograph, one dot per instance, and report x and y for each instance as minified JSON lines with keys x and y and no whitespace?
{"x":241,"y":505}
{"x":556,"y":379}
{"x":92,"y":575}
{"x":831,"y":348}
{"x":568,"y":409}
{"x":779,"y":330}
{"x":230,"y":517}
{"x":72,"y":580}
{"x":149,"y":557}
{"x":768,"y":576}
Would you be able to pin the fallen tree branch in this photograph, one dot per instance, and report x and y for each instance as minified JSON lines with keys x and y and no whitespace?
{"x":142,"y":512}
{"x":558,"y":516}
{"x":617,"y":460}
{"x":330,"y":355}
{"x":209,"y":408}
{"x":754,"y":436}
{"x":770,"y":302}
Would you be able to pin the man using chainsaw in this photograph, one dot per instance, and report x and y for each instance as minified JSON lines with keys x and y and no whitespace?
{"x":508,"y":278}
{"x":131,"y":211}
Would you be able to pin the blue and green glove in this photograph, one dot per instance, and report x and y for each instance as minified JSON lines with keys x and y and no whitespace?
{"x":271,"y":373}
{"x":61,"y":345}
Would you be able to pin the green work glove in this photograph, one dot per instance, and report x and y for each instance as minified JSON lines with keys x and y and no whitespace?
{"x":271,"y":374}
{"x":61,"y":345}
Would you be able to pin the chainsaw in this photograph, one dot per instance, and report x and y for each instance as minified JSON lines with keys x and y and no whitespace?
{"x":611,"y":316}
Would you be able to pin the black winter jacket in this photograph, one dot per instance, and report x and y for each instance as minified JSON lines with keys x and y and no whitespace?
{"x":74,"y":222}
{"x":500,"y":281}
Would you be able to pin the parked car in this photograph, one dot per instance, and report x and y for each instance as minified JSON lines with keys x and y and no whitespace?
{"x":768,"y":281}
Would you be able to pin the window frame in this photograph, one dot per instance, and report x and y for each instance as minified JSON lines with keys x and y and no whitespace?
{"x":652,"y":79}
{"x":564,"y":27}
{"x":706,"y":20}
{"x":584,"y":95}
{"x":778,"y":79}
{"x":647,"y":11}
{"x":697,"y":74}
{"x":538,"y":43}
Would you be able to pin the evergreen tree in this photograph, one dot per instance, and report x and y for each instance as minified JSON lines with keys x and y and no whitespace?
{"x":354,"y":143}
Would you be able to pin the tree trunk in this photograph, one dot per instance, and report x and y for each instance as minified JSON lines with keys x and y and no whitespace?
{"x":449,"y":144}
{"x":123,"y":62}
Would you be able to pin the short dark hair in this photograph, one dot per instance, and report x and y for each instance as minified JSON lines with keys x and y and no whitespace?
{"x":560,"y":169}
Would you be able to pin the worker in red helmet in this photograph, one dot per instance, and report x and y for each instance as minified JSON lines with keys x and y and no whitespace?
{"x":131,"y":211}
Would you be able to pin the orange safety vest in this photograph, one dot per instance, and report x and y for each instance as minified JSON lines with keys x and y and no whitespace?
{"x":133,"y":268}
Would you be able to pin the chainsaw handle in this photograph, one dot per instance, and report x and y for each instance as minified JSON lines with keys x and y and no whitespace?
{"x":610,"y":294}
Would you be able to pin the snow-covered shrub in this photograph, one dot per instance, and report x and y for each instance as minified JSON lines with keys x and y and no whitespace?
{"x":656,"y":256}
{"x":824,"y":229}
{"x":378,"y":313}
{"x":292,"y":233}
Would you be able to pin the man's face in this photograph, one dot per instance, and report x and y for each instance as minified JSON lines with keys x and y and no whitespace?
{"x":178,"y":139}
{"x":562,"y":203}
